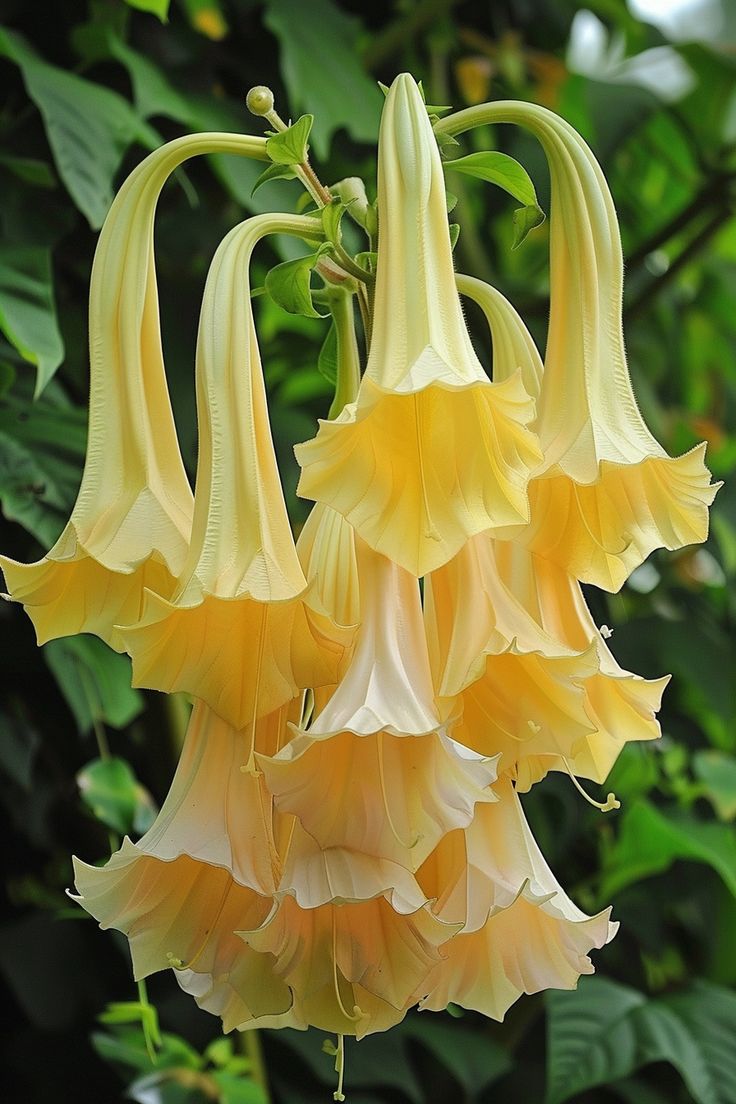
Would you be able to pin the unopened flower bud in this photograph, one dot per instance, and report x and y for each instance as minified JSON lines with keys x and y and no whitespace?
{"x":259,"y":100}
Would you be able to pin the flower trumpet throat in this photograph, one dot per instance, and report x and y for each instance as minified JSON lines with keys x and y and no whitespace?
{"x":436,"y":452}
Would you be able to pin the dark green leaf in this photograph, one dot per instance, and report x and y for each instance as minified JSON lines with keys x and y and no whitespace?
{"x":717,"y":771}
{"x":27,"y":308}
{"x":237,"y":1090}
{"x":94,"y":680}
{"x":273,"y":172}
{"x":525,"y":219}
{"x":288,"y":284}
{"x":291,"y":146}
{"x":327,"y":359}
{"x":29,"y":170}
{"x":604,"y":1031}
{"x":321,"y":68}
{"x":89,"y":127}
{"x":650,"y":840}
{"x":156,"y":7}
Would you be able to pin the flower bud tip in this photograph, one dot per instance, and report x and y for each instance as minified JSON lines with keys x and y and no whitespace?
{"x":259,"y":100}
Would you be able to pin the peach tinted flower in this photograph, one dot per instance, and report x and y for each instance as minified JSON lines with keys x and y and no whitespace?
{"x":607,"y":493}
{"x":521,"y":932}
{"x":239,"y":631}
{"x":130,"y":526}
{"x":435,"y":451}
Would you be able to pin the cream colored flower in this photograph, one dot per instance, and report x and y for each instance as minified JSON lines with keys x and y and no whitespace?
{"x":510,"y":633}
{"x":130,"y":526}
{"x":434,"y":451}
{"x":521,"y":932}
{"x":375,"y":772}
{"x":239,"y":631}
{"x":608,"y":493}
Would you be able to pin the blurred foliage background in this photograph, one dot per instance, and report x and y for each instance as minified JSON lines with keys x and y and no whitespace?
{"x":87,"y":90}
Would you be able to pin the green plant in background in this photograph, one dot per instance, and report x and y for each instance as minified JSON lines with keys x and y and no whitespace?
{"x":672,"y":180}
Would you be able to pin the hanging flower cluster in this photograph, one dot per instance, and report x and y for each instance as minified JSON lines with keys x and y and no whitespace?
{"x":343,"y":838}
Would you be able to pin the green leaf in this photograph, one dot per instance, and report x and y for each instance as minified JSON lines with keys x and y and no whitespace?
{"x":473,"y":1059}
{"x":30,"y":170}
{"x":155,"y":7}
{"x":604,"y":1031}
{"x":41,"y":456}
{"x":27,"y":309}
{"x":454,"y":233}
{"x":332,"y":216}
{"x":88,"y":127}
{"x":321,"y":69}
{"x":525,"y":219}
{"x":500,"y":169}
{"x":717,"y":771}
{"x":327,"y":359}
{"x":650,"y":840}
{"x":94,"y":680}
{"x":110,"y":791}
{"x":288,"y":284}
{"x":291,"y":146}
{"x":273,"y":172}
{"x":237,"y":1090}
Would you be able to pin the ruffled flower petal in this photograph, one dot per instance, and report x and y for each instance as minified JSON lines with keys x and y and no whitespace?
{"x":381,"y":795}
{"x":131,"y":523}
{"x":238,"y":632}
{"x":436,"y":452}
{"x":533,"y":937}
{"x":607,"y":493}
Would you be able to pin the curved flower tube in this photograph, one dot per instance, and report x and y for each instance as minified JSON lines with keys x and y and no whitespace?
{"x":239,"y":631}
{"x":131,"y":523}
{"x":357,"y":778}
{"x":608,"y":493}
{"x":436,"y":451}
{"x":521,"y":933}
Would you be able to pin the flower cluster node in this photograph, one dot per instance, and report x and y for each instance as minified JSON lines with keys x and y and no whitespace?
{"x":371,"y":853}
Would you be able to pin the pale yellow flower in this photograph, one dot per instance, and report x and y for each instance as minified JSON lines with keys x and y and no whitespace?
{"x":521,"y":933}
{"x":130,"y":526}
{"x":510,"y":633}
{"x":209,"y":865}
{"x":434,"y":451}
{"x":375,"y":772}
{"x":352,"y":935}
{"x":239,"y":631}
{"x":608,"y":493}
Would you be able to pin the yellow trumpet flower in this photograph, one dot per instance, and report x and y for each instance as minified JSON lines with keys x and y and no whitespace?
{"x":608,"y":494}
{"x":521,"y":933}
{"x":239,"y":631}
{"x":435,"y":451}
{"x":510,"y":633}
{"x":130,"y":526}
{"x":209,"y":865}
{"x":375,"y":772}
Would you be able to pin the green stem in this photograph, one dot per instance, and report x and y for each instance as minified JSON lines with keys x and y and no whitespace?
{"x":254,"y":1051}
{"x":348,"y":357}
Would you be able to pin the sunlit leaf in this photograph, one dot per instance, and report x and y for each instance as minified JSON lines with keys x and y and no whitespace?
{"x":27,"y":308}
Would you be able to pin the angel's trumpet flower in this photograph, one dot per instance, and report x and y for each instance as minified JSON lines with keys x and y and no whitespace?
{"x":353,"y":936}
{"x":130,"y":526}
{"x":521,"y":933}
{"x":238,"y":631}
{"x":208,"y":866}
{"x":608,"y":493}
{"x":375,"y":772}
{"x":510,"y":633}
{"x":434,"y":451}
